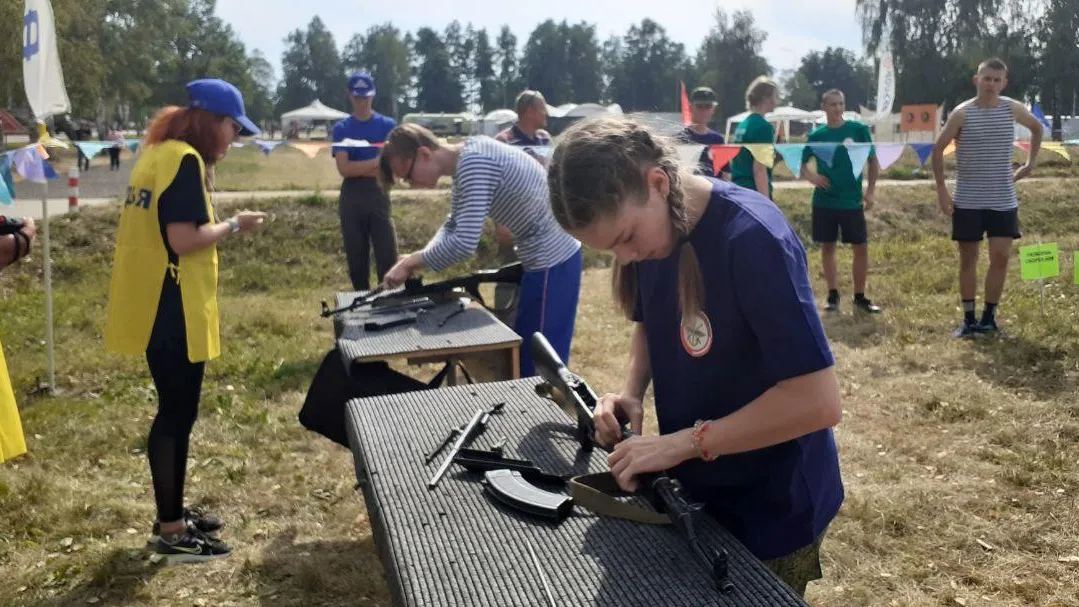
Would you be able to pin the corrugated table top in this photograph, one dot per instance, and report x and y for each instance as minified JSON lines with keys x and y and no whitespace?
{"x":473,"y":329}
{"x":453,"y":545}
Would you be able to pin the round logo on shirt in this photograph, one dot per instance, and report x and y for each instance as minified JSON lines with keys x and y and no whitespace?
{"x":696,"y":335}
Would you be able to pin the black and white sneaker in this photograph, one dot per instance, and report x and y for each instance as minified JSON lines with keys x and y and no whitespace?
{"x":197,"y":520}
{"x":865,"y":305}
{"x":190,"y":548}
{"x":967,"y":329}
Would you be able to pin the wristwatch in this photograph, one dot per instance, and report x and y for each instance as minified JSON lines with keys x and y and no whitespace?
{"x":234,"y":224}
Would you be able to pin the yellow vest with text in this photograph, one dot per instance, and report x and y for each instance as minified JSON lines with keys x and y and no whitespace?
{"x":141,"y":263}
{"x":12,"y":442}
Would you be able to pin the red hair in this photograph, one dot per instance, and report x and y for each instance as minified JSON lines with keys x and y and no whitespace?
{"x":198,"y":128}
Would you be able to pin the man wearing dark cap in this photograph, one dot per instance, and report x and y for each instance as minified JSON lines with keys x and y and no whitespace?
{"x":703,"y":100}
{"x":364,"y":207}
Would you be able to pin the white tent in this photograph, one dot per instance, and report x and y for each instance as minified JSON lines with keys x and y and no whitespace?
{"x":820,"y":118}
{"x":316,"y":111}
{"x":785,"y":114}
{"x":495,"y":121}
{"x":583,"y":110}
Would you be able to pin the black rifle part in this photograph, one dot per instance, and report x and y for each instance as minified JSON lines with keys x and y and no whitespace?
{"x":475,"y":426}
{"x":389,"y":321}
{"x":476,"y":460}
{"x":665,"y":493}
{"x":510,"y":488}
{"x":414,"y":287}
{"x":445,"y":442}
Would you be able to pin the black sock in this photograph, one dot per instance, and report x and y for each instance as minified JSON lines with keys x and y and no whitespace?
{"x":989,"y":314}
{"x":833,"y":295}
{"x":859,"y":296}
{"x":968,"y":312}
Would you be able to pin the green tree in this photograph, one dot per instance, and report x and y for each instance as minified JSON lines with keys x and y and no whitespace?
{"x":544,"y":64}
{"x":509,"y":75}
{"x":1059,"y":81}
{"x":487,"y":96}
{"x":649,"y":70}
{"x":585,"y":63}
{"x":438,"y":88}
{"x":384,"y":54}
{"x":730,"y":58}
{"x":837,"y":68}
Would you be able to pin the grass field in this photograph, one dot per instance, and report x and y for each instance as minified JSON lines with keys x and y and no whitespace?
{"x":960,"y":458}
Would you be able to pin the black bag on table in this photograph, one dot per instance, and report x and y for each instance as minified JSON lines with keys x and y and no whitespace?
{"x":323,"y":410}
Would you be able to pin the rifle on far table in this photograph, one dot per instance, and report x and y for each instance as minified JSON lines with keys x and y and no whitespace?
{"x":443,"y":290}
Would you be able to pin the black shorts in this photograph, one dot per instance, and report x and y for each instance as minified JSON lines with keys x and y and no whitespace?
{"x":828,"y":223}
{"x":969,"y":225}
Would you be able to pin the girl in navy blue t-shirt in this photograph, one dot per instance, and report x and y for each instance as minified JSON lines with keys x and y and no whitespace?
{"x":727,"y":332}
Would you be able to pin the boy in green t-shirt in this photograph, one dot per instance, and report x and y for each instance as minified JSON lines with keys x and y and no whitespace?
{"x":762,"y":97}
{"x":838,"y":198}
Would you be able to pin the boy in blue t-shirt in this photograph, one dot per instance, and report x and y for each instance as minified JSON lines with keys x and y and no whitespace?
{"x":366,"y":220}
{"x":703,"y":100}
{"x":726,"y":331}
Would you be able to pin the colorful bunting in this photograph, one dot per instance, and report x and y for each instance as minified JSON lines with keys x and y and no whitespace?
{"x":6,"y":197}
{"x":859,"y":155}
{"x":764,"y":153}
{"x":923,"y":150}
{"x":309,"y":149}
{"x":1057,"y":148}
{"x":792,"y":155}
{"x":93,"y":148}
{"x":266,"y":146}
{"x":29,"y":164}
{"x":6,"y":176}
{"x":722,"y":155}
{"x":824,"y":152}
{"x":889,"y":153}
{"x":950,"y":148}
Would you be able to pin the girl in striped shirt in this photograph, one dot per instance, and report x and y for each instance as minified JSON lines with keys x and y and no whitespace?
{"x":492,"y":179}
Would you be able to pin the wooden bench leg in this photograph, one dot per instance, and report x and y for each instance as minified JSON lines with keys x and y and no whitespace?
{"x":515,"y":362}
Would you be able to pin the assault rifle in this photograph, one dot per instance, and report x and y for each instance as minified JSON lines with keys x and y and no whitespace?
{"x":448,"y":289}
{"x":10,"y":225}
{"x":664,"y":492}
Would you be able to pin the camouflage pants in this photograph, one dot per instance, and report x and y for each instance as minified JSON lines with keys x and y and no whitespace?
{"x":800,"y":567}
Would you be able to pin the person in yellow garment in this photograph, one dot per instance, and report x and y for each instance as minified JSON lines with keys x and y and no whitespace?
{"x":163,"y":292}
{"x":13,"y":247}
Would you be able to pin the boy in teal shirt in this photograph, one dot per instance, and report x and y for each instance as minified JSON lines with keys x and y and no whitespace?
{"x":762,"y":97}
{"x":838,"y":199}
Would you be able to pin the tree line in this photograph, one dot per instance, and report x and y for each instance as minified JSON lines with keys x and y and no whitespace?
{"x":124,"y":58}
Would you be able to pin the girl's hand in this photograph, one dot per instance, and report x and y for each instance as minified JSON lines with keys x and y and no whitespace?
{"x":609,"y":410}
{"x":642,"y":454}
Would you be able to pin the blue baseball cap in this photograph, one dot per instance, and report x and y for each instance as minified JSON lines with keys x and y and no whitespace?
{"x":361,"y":84}
{"x":220,"y":97}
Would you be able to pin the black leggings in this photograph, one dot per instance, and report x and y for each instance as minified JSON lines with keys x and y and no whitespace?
{"x":179,"y":384}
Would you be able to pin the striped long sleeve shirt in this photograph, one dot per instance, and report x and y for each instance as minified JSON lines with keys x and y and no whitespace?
{"x":496,"y":180}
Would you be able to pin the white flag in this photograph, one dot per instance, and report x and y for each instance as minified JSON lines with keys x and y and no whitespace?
{"x":41,"y":63}
{"x":885,"y":86}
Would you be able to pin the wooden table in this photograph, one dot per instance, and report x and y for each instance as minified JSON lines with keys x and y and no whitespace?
{"x":455,"y":546}
{"x":468,"y":334}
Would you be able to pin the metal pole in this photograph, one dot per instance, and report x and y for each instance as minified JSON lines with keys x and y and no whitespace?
{"x":48,"y":286}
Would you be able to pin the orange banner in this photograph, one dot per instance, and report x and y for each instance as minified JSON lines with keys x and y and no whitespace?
{"x":918,"y":118}
{"x":722,"y":155}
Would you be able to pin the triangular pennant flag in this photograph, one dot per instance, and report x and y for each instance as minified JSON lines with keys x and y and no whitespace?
{"x":5,"y":194}
{"x":309,"y":149}
{"x":950,"y":148}
{"x":764,"y":153}
{"x":1057,"y":148}
{"x":1023,"y":145}
{"x":923,"y":150}
{"x":824,"y":152}
{"x":50,"y":173}
{"x":689,"y":154}
{"x":356,"y":143}
{"x":859,"y":155}
{"x":792,"y":155}
{"x":29,"y":164}
{"x":92,"y":148}
{"x":722,"y":155}
{"x":267,"y":146}
{"x":132,"y":144}
{"x":5,"y":174}
{"x":889,"y":153}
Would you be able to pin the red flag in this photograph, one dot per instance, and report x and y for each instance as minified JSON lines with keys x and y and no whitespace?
{"x":722,"y":154}
{"x":687,"y":117}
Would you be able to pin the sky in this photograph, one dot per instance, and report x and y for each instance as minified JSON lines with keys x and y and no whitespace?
{"x":794,"y":27}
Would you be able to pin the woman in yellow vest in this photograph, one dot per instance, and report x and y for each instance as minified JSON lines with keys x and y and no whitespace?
{"x":163,"y":293}
{"x":17,"y":234}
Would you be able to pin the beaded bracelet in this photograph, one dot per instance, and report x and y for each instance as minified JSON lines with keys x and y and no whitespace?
{"x":702,"y":451}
